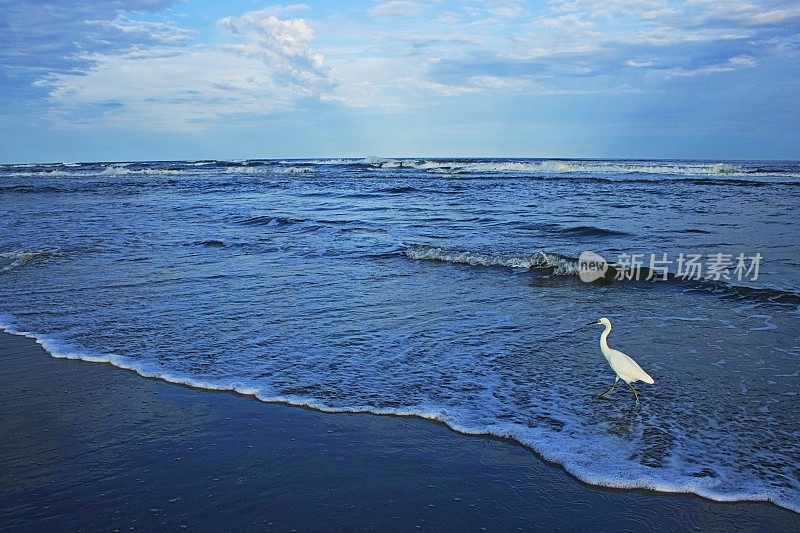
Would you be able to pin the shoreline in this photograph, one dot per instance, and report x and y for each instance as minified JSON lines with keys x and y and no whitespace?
{"x":74,"y":428}
{"x":206,"y":387}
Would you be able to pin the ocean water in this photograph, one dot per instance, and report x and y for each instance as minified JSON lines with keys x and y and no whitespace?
{"x":446,"y":289}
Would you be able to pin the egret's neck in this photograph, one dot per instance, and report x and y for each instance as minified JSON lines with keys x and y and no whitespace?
{"x":604,"y":339}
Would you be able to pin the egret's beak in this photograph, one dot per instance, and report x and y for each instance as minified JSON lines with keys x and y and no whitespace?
{"x":590,"y":323}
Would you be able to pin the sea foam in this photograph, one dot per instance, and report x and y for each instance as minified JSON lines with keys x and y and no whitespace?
{"x":584,"y":460}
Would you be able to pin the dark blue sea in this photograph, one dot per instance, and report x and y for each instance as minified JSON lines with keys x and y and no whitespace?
{"x":446,"y":289}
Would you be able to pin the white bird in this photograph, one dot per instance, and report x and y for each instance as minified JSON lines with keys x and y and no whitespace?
{"x":626,"y":368}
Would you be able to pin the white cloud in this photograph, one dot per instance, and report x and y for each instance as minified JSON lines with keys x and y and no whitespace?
{"x":472,"y":85}
{"x":272,"y":62}
{"x":369,"y":82}
{"x":509,"y":9}
{"x":639,"y":64}
{"x":406,"y":81}
{"x":571,"y":25}
{"x":443,"y":89}
{"x":168,"y":90}
{"x":476,"y":51}
{"x":184,"y":87}
{"x":397,"y":8}
{"x":563,"y":43}
{"x":670,"y":35}
{"x":159,"y":32}
{"x":280,"y":10}
{"x":50,"y":34}
{"x":421,"y":39}
{"x":283,"y":46}
{"x":500,"y":83}
{"x":635,"y":9}
{"x":734,"y":63}
{"x":747,"y":12}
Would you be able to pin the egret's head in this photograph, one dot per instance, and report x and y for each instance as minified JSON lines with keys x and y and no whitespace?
{"x":602,"y":321}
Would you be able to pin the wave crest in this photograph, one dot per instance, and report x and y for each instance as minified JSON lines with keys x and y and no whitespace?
{"x":17,"y":258}
{"x":264,"y":393}
{"x":562,"y":265}
{"x":566,"y":166}
{"x":539,"y":260}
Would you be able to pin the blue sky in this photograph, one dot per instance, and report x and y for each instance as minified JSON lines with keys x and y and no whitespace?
{"x":187,"y":79}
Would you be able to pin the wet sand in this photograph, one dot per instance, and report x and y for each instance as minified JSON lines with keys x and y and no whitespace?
{"x":86,"y":446}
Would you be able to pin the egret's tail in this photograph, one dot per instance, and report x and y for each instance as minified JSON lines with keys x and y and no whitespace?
{"x":647,"y":379}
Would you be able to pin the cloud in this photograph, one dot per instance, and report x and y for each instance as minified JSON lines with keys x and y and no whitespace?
{"x":594,"y":39}
{"x":474,"y":84}
{"x":426,"y":39}
{"x":734,"y":63}
{"x":166,"y":90}
{"x":577,"y":28}
{"x":563,"y":47}
{"x":443,"y":89}
{"x":639,"y":64}
{"x":141,"y":32}
{"x":270,"y":59}
{"x":53,"y":36}
{"x":282,"y":45}
{"x":634,"y":9}
{"x":186,"y":87}
{"x":509,"y":9}
{"x":280,"y":10}
{"x":749,"y":13}
{"x":398,"y":8}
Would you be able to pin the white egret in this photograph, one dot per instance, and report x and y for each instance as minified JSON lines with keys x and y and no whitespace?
{"x":626,"y":368}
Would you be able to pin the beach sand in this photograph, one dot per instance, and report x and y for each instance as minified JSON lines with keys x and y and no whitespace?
{"x":89,"y":446}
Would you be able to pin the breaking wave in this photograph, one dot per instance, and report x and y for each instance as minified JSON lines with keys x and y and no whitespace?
{"x":309,"y":297}
{"x":556,"y":166}
{"x":17,"y":258}
{"x":747,"y":172}
{"x":559,"y":264}
{"x":562,"y":265}
{"x":560,"y":451}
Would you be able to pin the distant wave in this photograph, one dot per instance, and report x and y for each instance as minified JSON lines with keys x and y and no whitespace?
{"x":568,"y":266}
{"x":50,"y":173}
{"x":725,"y":172}
{"x":262,"y":169}
{"x":123,"y":170}
{"x":591,"y":231}
{"x":29,"y":189}
{"x":398,"y":190}
{"x":267,"y":220}
{"x":17,"y":258}
{"x":271,"y":221}
{"x":695,"y":231}
{"x":565,"y":166}
{"x":560,"y":264}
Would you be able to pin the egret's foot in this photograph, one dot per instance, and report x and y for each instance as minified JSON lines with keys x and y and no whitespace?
{"x":635,"y":394}
{"x":602,"y":395}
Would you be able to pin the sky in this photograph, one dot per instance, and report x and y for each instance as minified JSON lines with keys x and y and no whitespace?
{"x":121,"y":80}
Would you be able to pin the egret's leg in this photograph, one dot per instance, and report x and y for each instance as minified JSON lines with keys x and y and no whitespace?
{"x":609,"y":389}
{"x":635,"y":394}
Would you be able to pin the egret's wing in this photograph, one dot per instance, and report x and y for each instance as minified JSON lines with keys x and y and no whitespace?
{"x":626,"y":366}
